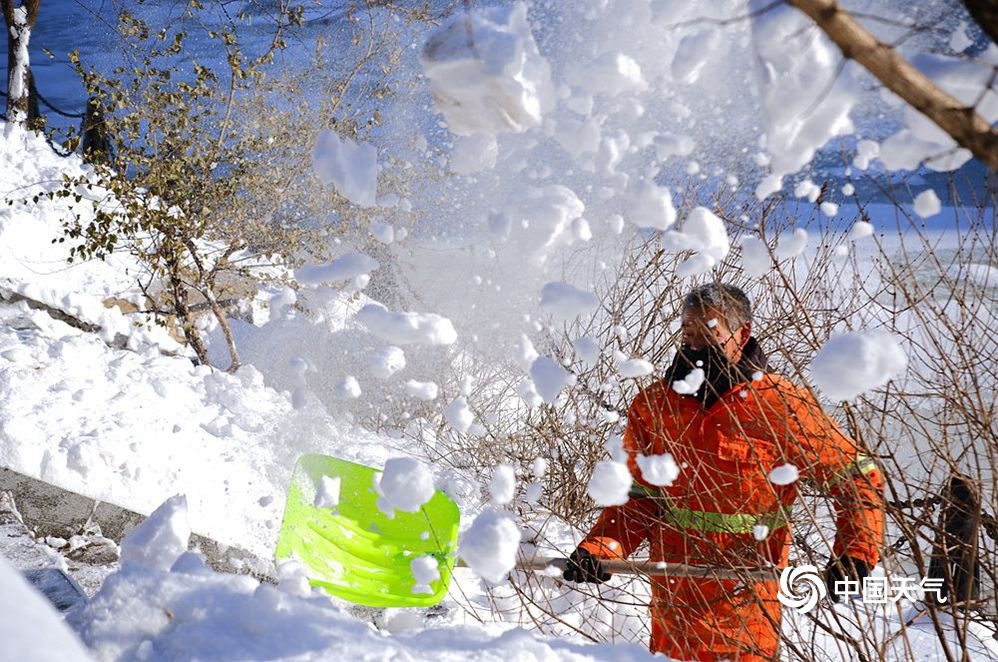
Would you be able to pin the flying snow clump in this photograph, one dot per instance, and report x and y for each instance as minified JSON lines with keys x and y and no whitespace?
{"x":689,"y":384}
{"x":502,"y":488}
{"x":853,"y":363}
{"x":490,"y":544}
{"x":755,"y":257}
{"x":566,"y":302}
{"x":927,"y":203}
{"x":407,"y":328}
{"x":485,"y":72}
{"x":635,"y":368}
{"x":406,"y":484}
{"x":386,"y":361}
{"x":860,"y":230}
{"x":344,"y":268}
{"x":425,"y":570}
{"x":351,"y":167}
{"x":422,"y":390}
{"x":610,"y":483}
{"x":658,"y":470}
{"x":785,"y":474}
{"x":328,"y":494}
{"x":459,"y":414}
{"x":550,"y":378}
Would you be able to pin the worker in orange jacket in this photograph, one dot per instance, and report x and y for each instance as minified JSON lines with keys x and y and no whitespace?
{"x":727,"y":436}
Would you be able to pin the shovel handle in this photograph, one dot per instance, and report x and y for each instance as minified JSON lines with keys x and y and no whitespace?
{"x":658,"y":569}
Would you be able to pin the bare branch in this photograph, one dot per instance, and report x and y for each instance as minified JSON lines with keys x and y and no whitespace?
{"x":960,"y":121}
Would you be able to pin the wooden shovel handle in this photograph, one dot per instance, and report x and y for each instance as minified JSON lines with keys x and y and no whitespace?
{"x":658,"y":569}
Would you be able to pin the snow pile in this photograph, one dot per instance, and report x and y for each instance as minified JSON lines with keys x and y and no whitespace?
{"x":549,"y":378}
{"x":485,"y":72}
{"x":30,"y":628}
{"x":160,"y":540}
{"x":852,"y":363}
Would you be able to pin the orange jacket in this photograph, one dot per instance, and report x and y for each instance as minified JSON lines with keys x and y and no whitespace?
{"x":712,"y":512}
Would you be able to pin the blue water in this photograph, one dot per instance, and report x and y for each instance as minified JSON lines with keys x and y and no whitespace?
{"x":89,"y":26}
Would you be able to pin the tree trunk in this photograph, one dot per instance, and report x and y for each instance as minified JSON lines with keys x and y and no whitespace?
{"x":955,"y":552}
{"x":19,"y":21}
{"x":960,"y":121}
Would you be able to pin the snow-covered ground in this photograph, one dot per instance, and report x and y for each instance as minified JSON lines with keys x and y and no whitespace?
{"x":117,"y":411}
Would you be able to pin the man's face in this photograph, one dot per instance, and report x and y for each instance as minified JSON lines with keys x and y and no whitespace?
{"x":707,"y":326}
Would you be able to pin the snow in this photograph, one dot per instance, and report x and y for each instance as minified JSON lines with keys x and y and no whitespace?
{"x":558,"y":148}
{"x":791,"y":244}
{"x":422,"y":390}
{"x":30,"y":628}
{"x":705,"y":234}
{"x":459,"y":415}
{"x":344,"y":268}
{"x":386,"y":361}
{"x":852,"y":363}
{"x":485,"y":72}
{"x":349,"y":166}
{"x":651,"y":206}
{"x":690,"y":383}
{"x":409,"y":327}
{"x":633,"y":368}
{"x":406,"y":484}
{"x":927,"y":203}
{"x":566,"y":302}
{"x":610,"y":483}
{"x":785,"y":474}
{"x":490,"y":544}
{"x":502,"y":488}
{"x":755,"y":256}
{"x":658,"y":470}
{"x":860,"y":230}
{"x":328,"y":494}
{"x":550,"y":378}
{"x":807,"y":100}
{"x":160,"y":540}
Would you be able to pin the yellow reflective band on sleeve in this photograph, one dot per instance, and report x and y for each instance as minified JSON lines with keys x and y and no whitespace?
{"x":864,"y":464}
{"x":699,"y":520}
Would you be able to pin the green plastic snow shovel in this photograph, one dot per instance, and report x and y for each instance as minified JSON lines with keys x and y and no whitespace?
{"x":356,"y":552}
{"x":353,"y":550}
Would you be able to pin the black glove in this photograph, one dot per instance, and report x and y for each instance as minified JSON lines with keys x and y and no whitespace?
{"x":584,"y":567}
{"x":845,"y":568}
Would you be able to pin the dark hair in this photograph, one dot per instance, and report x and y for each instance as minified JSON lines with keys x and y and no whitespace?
{"x":731,"y":301}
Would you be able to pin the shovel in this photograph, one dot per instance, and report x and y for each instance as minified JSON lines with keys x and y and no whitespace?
{"x":356,"y":552}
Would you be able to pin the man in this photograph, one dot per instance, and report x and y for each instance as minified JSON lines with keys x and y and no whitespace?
{"x":727,"y":435}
